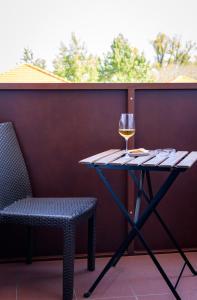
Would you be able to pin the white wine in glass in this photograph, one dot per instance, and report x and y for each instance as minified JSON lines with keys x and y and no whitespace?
{"x":126,"y":128}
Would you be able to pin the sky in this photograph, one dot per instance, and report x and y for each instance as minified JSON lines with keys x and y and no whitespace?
{"x":42,"y":24}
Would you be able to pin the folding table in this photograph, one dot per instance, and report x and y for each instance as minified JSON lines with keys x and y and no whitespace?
{"x":174,"y":164}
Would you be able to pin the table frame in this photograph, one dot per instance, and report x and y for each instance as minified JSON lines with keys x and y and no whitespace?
{"x":138,"y":221}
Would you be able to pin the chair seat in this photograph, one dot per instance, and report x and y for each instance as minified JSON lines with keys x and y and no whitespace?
{"x":48,"y":210}
{"x":17,"y":206}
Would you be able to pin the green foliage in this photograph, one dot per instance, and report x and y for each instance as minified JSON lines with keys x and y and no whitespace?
{"x":75,"y":64}
{"x":180,"y":54}
{"x":27,"y":55}
{"x":124,"y":63}
{"x":28,"y":58}
{"x":172,"y":50}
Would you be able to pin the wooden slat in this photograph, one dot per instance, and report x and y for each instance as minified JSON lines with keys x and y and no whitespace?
{"x":173,"y":159}
{"x":188,"y":161}
{"x":91,"y":159}
{"x":122,"y":160}
{"x":110,"y":158}
{"x":157,"y":160}
{"x":140,"y":160}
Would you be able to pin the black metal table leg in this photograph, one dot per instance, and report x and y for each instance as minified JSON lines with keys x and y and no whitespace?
{"x":194,"y":272}
{"x":137,"y":209}
{"x":151,"y":208}
{"x":160,"y":269}
{"x":137,"y":226}
{"x":148,"y":199}
{"x":110,"y":263}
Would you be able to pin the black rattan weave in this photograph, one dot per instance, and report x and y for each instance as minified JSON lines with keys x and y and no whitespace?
{"x":18,"y":206}
{"x":14,"y":178}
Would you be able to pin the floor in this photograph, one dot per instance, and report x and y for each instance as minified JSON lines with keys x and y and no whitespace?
{"x":134,"y":278}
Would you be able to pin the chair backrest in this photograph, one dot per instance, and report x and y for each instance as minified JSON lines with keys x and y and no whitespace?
{"x":14,"y":179}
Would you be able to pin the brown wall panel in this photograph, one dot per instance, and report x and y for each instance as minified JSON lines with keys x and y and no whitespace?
{"x":57,"y":125}
{"x":57,"y":128}
{"x":168,"y":119}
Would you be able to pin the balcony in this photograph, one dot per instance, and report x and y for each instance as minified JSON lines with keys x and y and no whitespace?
{"x":60,"y":124}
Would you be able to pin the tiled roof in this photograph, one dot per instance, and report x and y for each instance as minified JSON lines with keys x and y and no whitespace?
{"x":184,"y":79}
{"x":27,"y":73}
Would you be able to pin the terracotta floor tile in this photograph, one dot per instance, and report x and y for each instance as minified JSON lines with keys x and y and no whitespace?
{"x":155,"y":297}
{"x":39,"y":290}
{"x":147,"y":286}
{"x":188,"y":295}
{"x":41,"y":280}
{"x":8,"y":275}
{"x":8,"y":292}
{"x":114,"y":284}
{"x":114,"y":298}
{"x":188,"y":283}
{"x":8,"y":272}
{"x":143,"y":276}
{"x":134,"y":278}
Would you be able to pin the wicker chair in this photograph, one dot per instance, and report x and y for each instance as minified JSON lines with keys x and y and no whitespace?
{"x":18,"y":206}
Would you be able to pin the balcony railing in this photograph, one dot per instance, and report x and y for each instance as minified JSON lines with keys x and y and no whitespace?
{"x":59,"y":124}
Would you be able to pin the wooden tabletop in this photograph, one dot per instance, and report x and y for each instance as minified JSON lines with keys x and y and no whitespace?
{"x":115,"y":157}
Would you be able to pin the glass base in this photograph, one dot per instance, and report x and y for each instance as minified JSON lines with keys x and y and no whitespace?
{"x":127,"y":154}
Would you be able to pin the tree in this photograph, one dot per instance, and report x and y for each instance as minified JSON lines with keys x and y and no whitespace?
{"x":75,"y":64}
{"x":172,"y":50}
{"x":28,"y":58}
{"x":161,"y":45}
{"x":124,"y":63}
{"x":178,"y":53}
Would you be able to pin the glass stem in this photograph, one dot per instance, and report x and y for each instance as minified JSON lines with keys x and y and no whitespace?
{"x":126,"y":140}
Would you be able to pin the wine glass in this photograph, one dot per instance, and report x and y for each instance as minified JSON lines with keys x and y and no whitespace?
{"x":126,"y":128}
